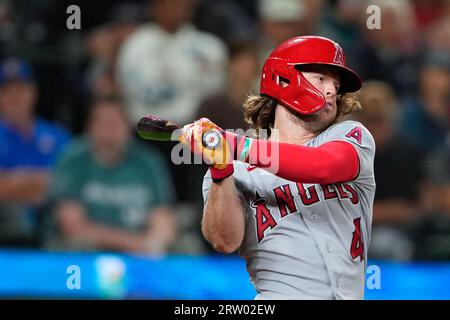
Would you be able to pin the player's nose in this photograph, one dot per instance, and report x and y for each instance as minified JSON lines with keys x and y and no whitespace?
{"x":330,"y":88}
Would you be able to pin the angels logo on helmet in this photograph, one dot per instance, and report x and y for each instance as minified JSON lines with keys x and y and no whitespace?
{"x":339,"y":57}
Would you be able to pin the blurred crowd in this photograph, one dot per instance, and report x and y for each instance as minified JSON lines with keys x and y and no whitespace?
{"x":75,"y":176}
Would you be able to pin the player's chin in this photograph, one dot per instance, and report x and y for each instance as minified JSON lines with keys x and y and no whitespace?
{"x":319,"y":121}
{"x":317,"y":124}
{"x":329,"y":114}
{"x":324,"y":121}
{"x":330,"y":109}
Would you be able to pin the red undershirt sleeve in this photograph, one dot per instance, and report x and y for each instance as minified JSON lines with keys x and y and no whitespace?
{"x":332,"y":162}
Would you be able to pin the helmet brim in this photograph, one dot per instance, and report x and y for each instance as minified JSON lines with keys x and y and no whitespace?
{"x":350,"y":81}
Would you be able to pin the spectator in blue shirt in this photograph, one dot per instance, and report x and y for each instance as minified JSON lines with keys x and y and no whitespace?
{"x":28,"y":148}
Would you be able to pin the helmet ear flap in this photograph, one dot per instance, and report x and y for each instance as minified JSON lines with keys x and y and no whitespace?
{"x":301,"y":96}
{"x":283,"y":82}
{"x":276,"y":76}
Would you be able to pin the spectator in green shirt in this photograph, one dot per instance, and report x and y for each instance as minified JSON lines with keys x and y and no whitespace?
{"x":109,"y":193}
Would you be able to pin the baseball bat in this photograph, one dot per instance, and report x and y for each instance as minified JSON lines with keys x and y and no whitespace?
{"x":155,"y":128}
{"x":152,"y":127}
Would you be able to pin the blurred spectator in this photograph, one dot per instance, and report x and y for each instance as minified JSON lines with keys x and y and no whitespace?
{"x":425,"y":119}
{"x":343,"y":24}
{"x":166,"y":67}
{"x":28,"y":148}
{"x":103,"y":44}
{"x":429,"y":11}
{"x":390,"y":53}
{"x":280,"y":20}
{"x":398,"y":173}
{"x":438,"y":35}
{"x":22,"y":28}
{"x":7,"y":28}
{"x":109,"y":193}
{"x":431,"y":233}
{"x":316,"y":10}
{"x":225,"y":107}
{"x":226,"y":19}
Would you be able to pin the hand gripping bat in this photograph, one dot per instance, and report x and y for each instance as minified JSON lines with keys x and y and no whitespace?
{"x":156,"y":128}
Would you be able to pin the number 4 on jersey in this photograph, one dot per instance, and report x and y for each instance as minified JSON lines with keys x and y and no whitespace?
{"x":357,"y":247}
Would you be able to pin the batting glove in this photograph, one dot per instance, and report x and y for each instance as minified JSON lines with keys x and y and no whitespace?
{"x":216,"y":146}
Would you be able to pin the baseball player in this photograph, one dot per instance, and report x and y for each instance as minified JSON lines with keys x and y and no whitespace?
{"x":302,"y":220}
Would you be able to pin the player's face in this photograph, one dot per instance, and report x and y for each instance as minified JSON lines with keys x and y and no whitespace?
{"x":326,"y":81}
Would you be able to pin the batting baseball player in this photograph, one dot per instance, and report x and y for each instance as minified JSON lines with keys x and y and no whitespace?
{"x":302,"y":220}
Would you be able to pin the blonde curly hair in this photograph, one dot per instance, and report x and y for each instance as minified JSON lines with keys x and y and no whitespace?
{"x":259,"y":110}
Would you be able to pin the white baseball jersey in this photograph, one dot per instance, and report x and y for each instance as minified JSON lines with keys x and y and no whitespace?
{"x":169,"y":74}
{"x":308,"y":241}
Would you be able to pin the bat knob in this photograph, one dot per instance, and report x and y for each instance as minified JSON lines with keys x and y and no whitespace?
{"x":211,"y":139}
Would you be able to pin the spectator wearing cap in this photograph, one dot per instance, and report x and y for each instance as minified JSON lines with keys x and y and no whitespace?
{"x":28,"y":148}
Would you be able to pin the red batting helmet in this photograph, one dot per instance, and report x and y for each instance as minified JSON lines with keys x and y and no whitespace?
{"x":300,"y":95}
